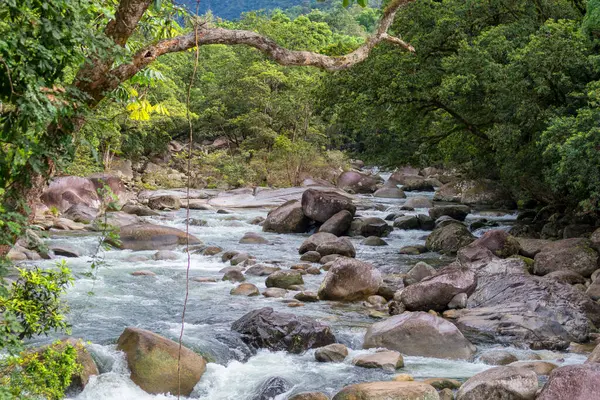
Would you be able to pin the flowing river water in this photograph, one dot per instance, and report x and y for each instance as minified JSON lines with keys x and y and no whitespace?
{"x":155,"y":303}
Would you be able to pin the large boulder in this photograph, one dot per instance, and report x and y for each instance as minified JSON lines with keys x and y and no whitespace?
{"x":572,"y":382}
{"x":387,"y":360}
{"x":499,"y":242}
{"x":509,"y":383}
{"x":335,"y":352}
{"x":457,"y":212}
{"x":419,"y":334}
{"x":417,"y":184}
{"x":482,"y":192}
{"x":391,"y":390}
{"x":356,"y":182}
{"x":342,"y":246}
{"x":320,"y":206}
{"x":418,"y":202}
{"x":574,"y":254}
{"x":370,"y":226}
{"x":420,"y":271}
{"x":435,"y":292}
{"x":153,"y":362}
{"x":349,"y":280}
{"x":153,"y":237}
{"x":287,"y":218}
{"x":338,"y":224}
{"x":313,"y":241}
{"x":284,"y":279}
{"x":66,"y":191}
{"x":268,"y":329}
{"x":81,"y":213}
{"x":164,"y":202}
{"x":523,"y":310}
{"x":388,"y":192}
{"x":449,"y":238}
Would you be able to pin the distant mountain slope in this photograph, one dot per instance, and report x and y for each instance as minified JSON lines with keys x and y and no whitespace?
{"x":232,"y":9}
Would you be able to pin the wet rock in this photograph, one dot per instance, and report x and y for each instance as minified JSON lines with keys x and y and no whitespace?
{"x":407,"y":222}
{"x":572,"y":382}
{"x":457,"y":212}
{"x":211,"y":250}
{"x":309,"y":396}
{"x":418,"y":202}
{"x":165,"y":202}
{"x":257,"y":221}
{"x":261,"y":270}
{"x":203,"y":279}
{"x":265,"y":328}
{"x":287,"y":218}
{"x":369,"y":226}
{"x":426,"y":223}
{"x":374,"y":241}
{"x":81,"y":213}
{"x":500,"y":383}
{"x":311,"y":256}
{"x":143,"y":272}
{"x":341,"y":246}
{"x":356,"y":182}
{"x":275,"y":292}
{"x":413,"y":250}
{"x":449,"y":238}
{"x":234,"y":275}
{"x":307,"y":297}
{"x":315,"y":240}
{"x":483,"y":192}
{"x":320,"y":206}
{"x":419,"y":334}
{"x":139,"y":210}
{"x":417,"y":184}
{"x":153,"y":362}
{"x":253,"y":238}
{"x":335,"y":352}
{"x":458,"y":302}
{"x":349,"y":279}
{"x":435,"y":292}
{"x":499,"y":242}
{"x":239,"y":258}
{"x":376,"y":300}
{"x":388,"y":390}
{"x":386,"y":360}
{"x":271,"y":388}
{"x":245,"y":289}
{"x":65,"y":251}
{"x":338,"y":224}
{"x":568,"y":254}
{"x":284,"y":279}
{"x":498,"y":357}
{"x":163,"y":255}
{"x":390,"y":193}
{"x":420,"y":271}
{"x":541,"y":368}
{"x":153,"y":237}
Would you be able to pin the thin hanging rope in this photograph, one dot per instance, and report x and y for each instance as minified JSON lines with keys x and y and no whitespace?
{"x":187,"y":219}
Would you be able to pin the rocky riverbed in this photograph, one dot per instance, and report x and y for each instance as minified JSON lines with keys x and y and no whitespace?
{"x":461,"y":291}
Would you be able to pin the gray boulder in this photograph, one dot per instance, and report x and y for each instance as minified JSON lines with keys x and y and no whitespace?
{"x":315,"y":240}
{"x":572,"y":382}
{"x":349,"y":279}
{"x":449,"y":238}
{"x":153,"y":237}
{"x":287,"y":218}
{"x":320,"y":206}
{"x":338,"y":224}
{"x":508,"y":383}
{"x":341,"y":246}
{"x":574,"y":254}
{"x":457,"y":212}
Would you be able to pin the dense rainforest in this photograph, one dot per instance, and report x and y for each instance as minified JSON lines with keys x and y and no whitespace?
{"x":500,"y":90}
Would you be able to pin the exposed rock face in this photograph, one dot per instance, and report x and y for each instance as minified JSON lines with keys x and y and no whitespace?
{"x":320,"y":206}
{"x":271,"y":388}
{"x":152,"y":360}
{"x":574,"y":254}
{"x":154,"y":237}
{"x":500,"y":383}
{"x":388,"y":390}
{"x":499,"y":242}
{"x":349,"y":280}
{"x":419,"y":334}
{"x":335,"y":352}
{"x":572,"y":382}
{"x":386,"y":360}
{"x":165,"y":202}
{"x":356,"y":182}
{"x":341,"y":246}
{"x":370,"y":226}
{"x":284,"y":279}
{"x":338,"y":224}
{"x":520,"y":309}
{"x":287,"y":218}
{"x":457,"y":212}
{"x":435,"y":292}
{"x":315,"y":240}
{"x":265,"y":328}
{"x":449,"y":238}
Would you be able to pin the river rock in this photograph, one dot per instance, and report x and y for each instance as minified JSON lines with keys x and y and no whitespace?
{"x":143,"y":272}
{"x":261,"y":270}
{"x":541,"y":368}
{"x":335,"y":352}
{"x":349,"y":279}
{"x":165,"y":202}
{"x":139,"y":210}
{"x":407,"y":222}
{"x":498,"y":357}
{"x":341,"y":246}
{"x":420,"y":271}
{"x":508,"y":383}
{"x":64,"y":251}
{"x":165,"y":255}
{"x":523,"y":310}
{"x":530,"y":247}
{"x":435,"y":292}
{"x":574,"y":254}
{"x":414,"y":250}
{"x":315,"y":240}
{"x":210,"y":250}
{"x":390,"y":390}
{"x":449,"y":238}
{"x":271,"y":388}
{"x":499,"y":242}
{"x":417,"y":184}
{"x":387,"y":360}
{"x":572,"y":382}
{"x":311,"y":256}
{"x":81,"y":213}
{"x":234,"y":275}
{"x":369,"y":226}
{"x":274,"y":292}
{"x":458,"y":302}
{"x":152,"y":360}
{"x":356,"y":182}
{"x":419,"y":334}
{"x":284,"y":279}
{"x":387,"y":192}
{"x":325,"y":260}
{"x":309,"y":396}
{"x":457,"y":212}
{"x":418,"y":202}
{"x":482,"y":191}
{"x":307,"y":297}
{"x":287,"y":218}
{"x":443,"y":383}
{"x":265,"y":328}
{"x":239,"y":258}
{"x":338,"y":224}
{"x":245,"y":289}
{"x":253,"y":238}
{"x":154,"y":237}
{"x":374,"y":241}
{"x":320,"y":206}
{"x":564,"y":276}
